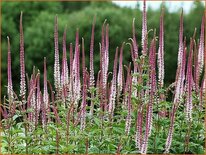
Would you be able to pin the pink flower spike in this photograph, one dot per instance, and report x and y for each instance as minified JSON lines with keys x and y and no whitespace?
{"x":64,"y":76}
{"x":129,"y":106}
{"x":38,"y":99}
{"x":120,"y":71}
{"x":45,"y":94}
{"x":144,"y":29}
{"x":189,"y":84}
{"x":180,"y":51}
{"x":57,"y":81}
{"x":161,"y":52}
{"x":76,"y":70}
{"x":179,"y":88}
{"x":71,"y":83}
{"x":113,"y":92}
{"x":84,"y":92}
{"x":135,"y":46}
{"x":91,"y":79}
{"x":200,"y":60}
{"x":22,"y":63}
{"x":152,"y":91}
{"x":9,"y":74}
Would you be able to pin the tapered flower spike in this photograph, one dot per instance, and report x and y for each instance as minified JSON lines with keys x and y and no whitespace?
{"x":135,"y":46}
{"x":57,"y":80}
{"x":64,"y":76}
{"x":65,"y":72}
{"x":113,"y":90}
{"x":152,"y":81}
{"x":22,"y":64}
{"x":180,"y":51}
{"x":91,"y":79}
{"x":91,"y":65}
{"x":9,"y":74}
{"x":45,"y":94}
{"x":107,"y":47}
{"x":200,"y":60}
{"x":104,"y":54}
{"x":71,"y":91}
{"x":129,"y":106}
{"x":76,"y":70}
{"x":84,"y":92}
{"x":120,"y":71}
{"x":144,"y":29}
{"x":189,"y":85}
{"x":179,"y":87}
{"x":38,"y":99}
{"x":161,"y":51}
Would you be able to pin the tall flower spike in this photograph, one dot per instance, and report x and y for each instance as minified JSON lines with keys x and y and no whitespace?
{"x":161,"y":51}
{"x":71,"y":83}
{"x":104,"y":65}
{"x":120,"y":71}
{"x":38,"y":99}
{"x":152,"y":81}
{"x":76,"y":70}
{"x":180,"y":51}
{"x":57,"y":81}
{"x":84,"y":92}
{"x":64,"y":76}
{"x":113,"y":85}
{"x":129,"y":85}
{"x":189,"y":85}
{"x":91,"y":65}
{"x":180,"y":77}
{"x":144,"y":29}
{"x":9,"y":74}
{"x":107,"y":47}
{"x":135,"y":46}
{"x":22,"y":65}
{"x":200,"y":60}
{"x":91,"y":78}
{"x":45,"y":94}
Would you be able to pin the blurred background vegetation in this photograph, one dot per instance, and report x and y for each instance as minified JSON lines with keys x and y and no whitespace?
{"x":38,"y":23}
